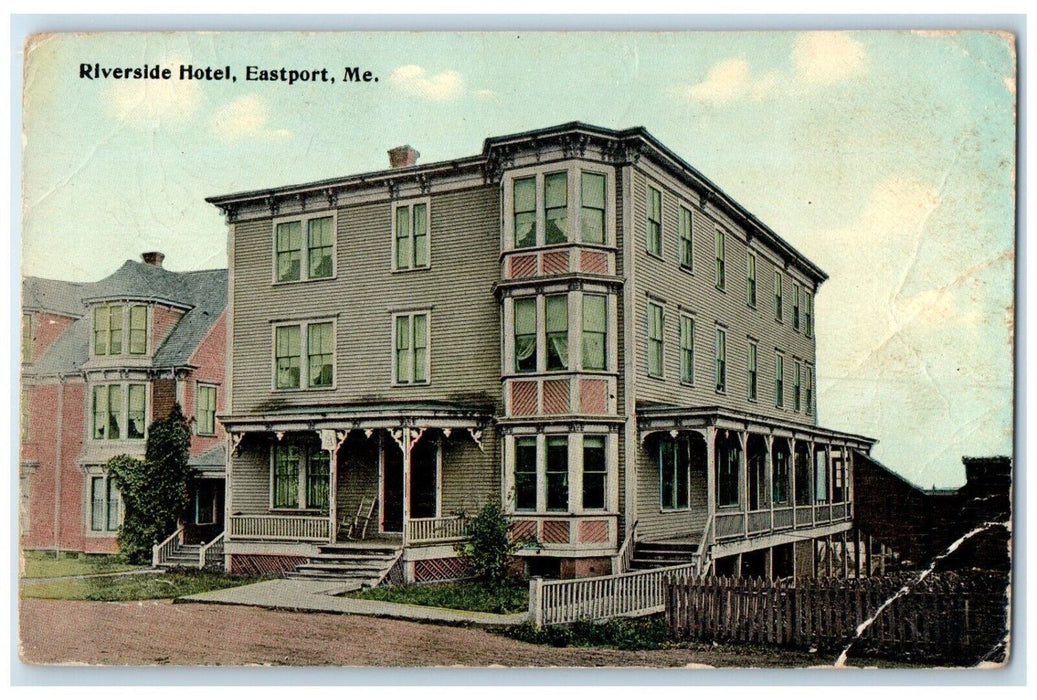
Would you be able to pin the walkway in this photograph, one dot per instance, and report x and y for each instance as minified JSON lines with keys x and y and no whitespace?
{"x":322,"y":596}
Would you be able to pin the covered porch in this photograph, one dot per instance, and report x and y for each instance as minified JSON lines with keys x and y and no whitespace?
{"x":733,"y":482}
{"x":403,"y":474}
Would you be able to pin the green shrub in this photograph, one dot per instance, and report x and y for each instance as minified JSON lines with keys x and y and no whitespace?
{"x":489,"y":544}
{"x":621,"y":633}
{"x":154,"y":490}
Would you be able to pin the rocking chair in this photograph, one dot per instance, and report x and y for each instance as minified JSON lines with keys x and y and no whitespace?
{"x":358,"y":528}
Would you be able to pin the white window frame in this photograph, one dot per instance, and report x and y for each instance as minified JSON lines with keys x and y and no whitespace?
{"x":682,"y":316}
{"x":752,"y":371}
{"x":779,"y":302}
{"x":683,"y":208}
{"x":99,"y":472}
{"x":304,"y":358}
{"x":574,"y":203}
{"x":215,"y":405}
{"x":575,"y":331}
{"x":409,"y":205}
{"x":808,"y":313}
{"x":304,"y":253}
{"x":779,"y":379}
{"x":124,"y":389}
{"x":810,"y":393}
{"x":427,"y":313}
{"x":661,"y":305}
{"x":575,"y":474}
{"x":720,"y":356}
{"x":720,"y":259}
{"x":751,"y":287}
{"x":305,"y":450}
{"x":661,"y":253}
{"x":796,"y":295}
{"x":797,"y":385}
{"x":125,"y":331}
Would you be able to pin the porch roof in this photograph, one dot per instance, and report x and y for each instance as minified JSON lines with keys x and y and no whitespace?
{"x":652,"y":418}
{"x":361,"y":416}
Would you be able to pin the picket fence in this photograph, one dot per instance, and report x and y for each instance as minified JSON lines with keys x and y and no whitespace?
{"x":951,"y":617}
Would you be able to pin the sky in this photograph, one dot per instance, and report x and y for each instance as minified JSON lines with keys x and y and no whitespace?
{"x":886,"y":157}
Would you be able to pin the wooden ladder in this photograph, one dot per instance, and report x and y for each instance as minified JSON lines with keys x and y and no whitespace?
{"x":362,"y":518}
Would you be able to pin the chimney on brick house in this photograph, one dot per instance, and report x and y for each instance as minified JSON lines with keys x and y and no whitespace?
{"x":402,"y":157}
{"x":153,"y":258}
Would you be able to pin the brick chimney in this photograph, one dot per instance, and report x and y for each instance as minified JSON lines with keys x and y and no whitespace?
{"x":153,"y":258}
{"x":402,"y":157}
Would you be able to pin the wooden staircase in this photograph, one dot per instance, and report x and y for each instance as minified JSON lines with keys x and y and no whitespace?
{"x":359,"y":564}
{"x":182,"y":556}
{"x":656,"y":555}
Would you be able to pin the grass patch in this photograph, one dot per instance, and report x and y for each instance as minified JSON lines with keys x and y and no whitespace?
{"x":133,"y":587}
{"x":632,"y":634}
{"x":508,"y":597}
{"x":41,"y":564}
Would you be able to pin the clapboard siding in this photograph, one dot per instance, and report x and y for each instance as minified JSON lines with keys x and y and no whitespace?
{"x":458,"y":290}
{"x":471,"y":477}
{"x":696,"y":293}
{"x":655,"y":523}
{"x":250,"y":474}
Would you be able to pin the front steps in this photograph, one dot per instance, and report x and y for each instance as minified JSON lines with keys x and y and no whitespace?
{"x":183,"y":556}
{"x":656,"y":555}
{"x":355,"y":563}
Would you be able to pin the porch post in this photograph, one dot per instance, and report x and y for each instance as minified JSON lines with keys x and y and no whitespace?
{"x":812,"y":471}
{"x":792,"y":472}
{"x":769,"y":440}
{"x":407,"y":443}
{"x":743,"y":481}
{"x":333,"y":495}
{"x":711,"y":473}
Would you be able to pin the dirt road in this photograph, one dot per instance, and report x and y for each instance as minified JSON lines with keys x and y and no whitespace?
{"x":159,"y":632}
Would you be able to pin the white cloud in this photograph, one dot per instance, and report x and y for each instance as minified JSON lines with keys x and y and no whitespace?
{"x":438,"y":87}
{"x":824,"y":58}
{"x":149,"y":104}
{"x":245,"y":117}
{"x":732,"y":79}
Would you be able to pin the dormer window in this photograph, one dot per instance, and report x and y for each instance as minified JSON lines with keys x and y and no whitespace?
{"x":120,"y":329}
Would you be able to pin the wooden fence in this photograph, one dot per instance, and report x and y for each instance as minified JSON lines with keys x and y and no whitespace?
{"x":946,"y":617}
{"x":600,"y":597}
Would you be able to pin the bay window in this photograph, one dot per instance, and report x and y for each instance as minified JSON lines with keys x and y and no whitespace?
{"x":559,"y":206}
{"x":592,"y":207}
{"x":595,"y":472}
{"x":113,"y":333}
{"x":525,"y":334}
{"x":538,"y":330}
{"x":526,"y":473}
{"x":119,"y":411}
{"x":559,"y":472}
{"x":557,"y":311}
{"x":556,"y":208}
{"x":595,"y":331}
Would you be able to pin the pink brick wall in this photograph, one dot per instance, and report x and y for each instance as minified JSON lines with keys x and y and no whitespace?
{"x":210,"y":358}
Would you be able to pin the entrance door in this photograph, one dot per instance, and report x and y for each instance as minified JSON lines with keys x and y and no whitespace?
{"x":392,"y":487}
{"x":424,"y":484}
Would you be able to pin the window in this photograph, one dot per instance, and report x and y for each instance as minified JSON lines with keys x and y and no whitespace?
{"x":779,"y":381}
{"x":796,"y":383}
{"x":777,"y":295}
{"x":105,"y":513}
{"x":720,"y":352}
{"x":685,"y":251}
{"x":809,"y":378}
{"x":525,"y":334}
{"x":109,"y":329}
{"x":411,"y":240}
{"x":318,"y":249}
{"x":808,"y":314}
{"x":595,"y":469}
{"x":654,"y":234}
{"x":687,"y":346}
{"x":557,"y":310}
{"x":119,"y":411}
{"x":411,"y":349}
{"x":556,"y":208}
{"x":752,"y":372}
{"x":592,"y":207}
{"x":721,"y":276}
{"x":205,"y":410}
{"x":526,"y":473}
{"x":314,"y":342}
{"x":26,"y":337}
{"x":300,"y":477}
{"x":674,"y":465}
{"x":595,"y":325}
{"x":558,"y":472}
{"x":524,"y":198}
{"x":795,"y":306}
{"x":655,"y":340}
{"x":750,"y":280}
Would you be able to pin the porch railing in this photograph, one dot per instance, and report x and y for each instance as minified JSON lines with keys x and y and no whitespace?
{"x":446,"y":529}
{"x":210,"y":556}
{"x":279,"y":527}
{"x":736,"y":523}
{"x":166,"y":548}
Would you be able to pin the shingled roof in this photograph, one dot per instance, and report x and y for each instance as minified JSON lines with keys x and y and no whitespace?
{"x":203,"y":295}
